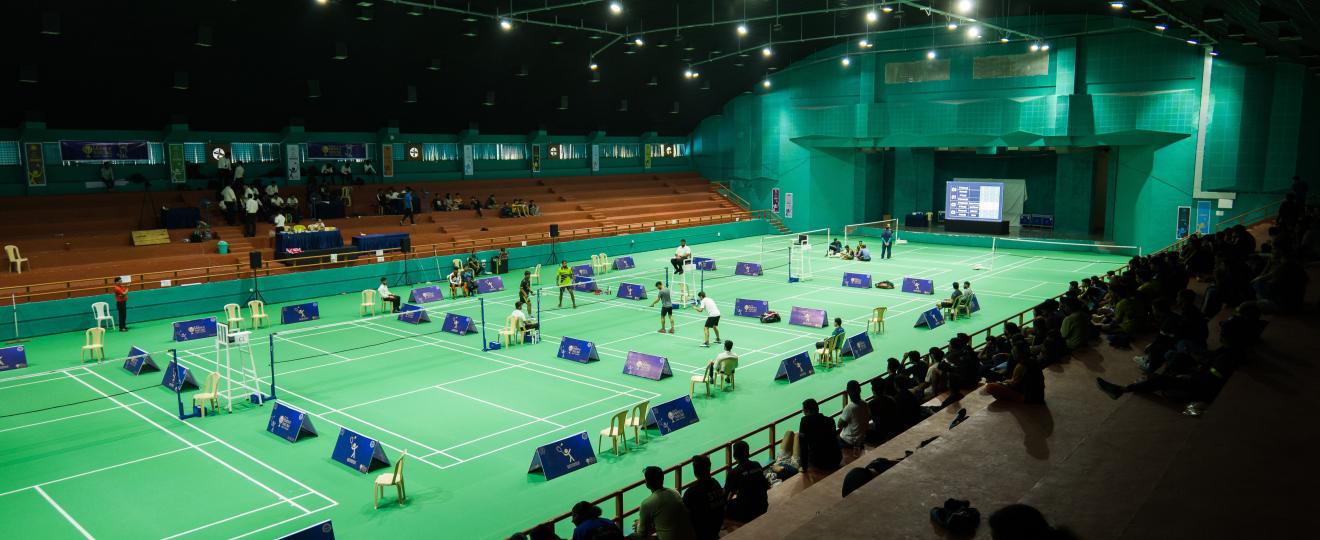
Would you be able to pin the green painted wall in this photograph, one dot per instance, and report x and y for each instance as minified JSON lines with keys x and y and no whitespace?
{"x":823,"y":131}
{"x":50,"y":317}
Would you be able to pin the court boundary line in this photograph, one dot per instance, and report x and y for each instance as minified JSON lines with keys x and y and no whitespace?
{"x":62,"y":512}
{"x":236,"y":516}
{"x":101,"y":469}
{"x":63,"y":418}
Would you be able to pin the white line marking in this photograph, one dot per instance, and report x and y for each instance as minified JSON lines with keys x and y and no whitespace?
{"x":233,"y":517}
{"x":102,"y":469}
{"x":66,"y":515}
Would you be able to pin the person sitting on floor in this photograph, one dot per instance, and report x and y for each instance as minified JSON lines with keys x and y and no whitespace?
{"x":533,"y":209}
{"x":835,"y":248}
{"x":847,"y":253}
{"x":863,"y":253}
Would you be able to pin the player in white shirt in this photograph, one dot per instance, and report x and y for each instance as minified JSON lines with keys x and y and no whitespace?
{"x":229,"y":202}
{"x":222,"y":167}
{"x":707,"y":305}
{"x":681,"y":256}
{"x":385,"y":296}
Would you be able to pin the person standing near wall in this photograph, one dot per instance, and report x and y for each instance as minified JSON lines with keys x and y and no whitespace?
{"x":108,"y":175}
{"x":121,"y":303}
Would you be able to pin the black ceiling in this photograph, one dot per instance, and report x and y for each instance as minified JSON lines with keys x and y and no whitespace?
{"x":114,"y":64}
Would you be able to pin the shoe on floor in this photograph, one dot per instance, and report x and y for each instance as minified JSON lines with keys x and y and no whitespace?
{"x":662,"y":330}
{"x":671,"y":330}
{"x":706,"y":345}
{"x":1113,"y":390}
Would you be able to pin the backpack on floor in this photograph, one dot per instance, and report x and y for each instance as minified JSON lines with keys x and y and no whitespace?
{"x":769,"y":317}
{"x":884,"y":285}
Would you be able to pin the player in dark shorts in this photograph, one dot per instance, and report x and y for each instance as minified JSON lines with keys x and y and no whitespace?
{"x":666,"y":302}
{"x":708,"y":306}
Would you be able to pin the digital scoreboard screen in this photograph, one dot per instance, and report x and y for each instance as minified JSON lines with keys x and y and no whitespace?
{"x":974,"y":201}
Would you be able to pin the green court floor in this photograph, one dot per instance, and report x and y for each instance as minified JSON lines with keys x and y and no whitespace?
{"x":94,"y":451}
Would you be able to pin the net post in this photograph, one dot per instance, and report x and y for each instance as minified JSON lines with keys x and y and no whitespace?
{"x":178,"y":393}
{"x":272,"y":366}
{"x":666,"y":277}
{"x":539,"y":322}
{"x":790,"y":263}
{"x":485,"y":345}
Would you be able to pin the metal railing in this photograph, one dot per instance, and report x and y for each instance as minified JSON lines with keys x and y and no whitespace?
{"x":1262,"y":213}
{"x":58,"y":290}
{"x":771,"y":429}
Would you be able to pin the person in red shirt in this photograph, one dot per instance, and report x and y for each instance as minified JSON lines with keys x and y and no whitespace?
{"x":121,"y":302}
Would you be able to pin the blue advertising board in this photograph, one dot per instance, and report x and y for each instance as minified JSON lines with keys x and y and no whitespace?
{"x":703,"y":263}
{"x":359,"y":452}
{"x":490,"y":284}
{"x":139,"y":361}
{"x":585,"y":284}
{"x":320,"y":531}
{"x":672,"y":415}
{"x":931,"y":318}
{"x":1202,"y":217}
{"x":336,"y":151}
{"x":743,"y":307}
{"x":747,"y":269}
{"x":808,"y":317}
{"x":194,"y":329}
{"x":178,"y":378}
{"x":564,"y":456}
{"x":422,"y":295}
{"x":297,"y":313}
{"x":289,"y":423}
{"x":583,"y":270}
{"x":861,"y":281}
{"x":457,"y":324}
{"x":414,"y":314}
{"x":918,"y":285}
{"x":13,"y":358}
{"x":632,"y":291}
{"x":795,"y":368}
{"x":623,"y":263}
{"x":860,"y":345}
{"x":647,"y":366}
{"x":577,"y":350}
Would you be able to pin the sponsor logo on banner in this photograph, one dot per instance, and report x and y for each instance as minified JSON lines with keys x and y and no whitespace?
{"x":387,"y":160}
{"x":36,"y":164}
{"x":294,"y":168}
{"x":774,"y":200}
{"x":178,"y":166}
{"x":1184,"y":223}
{"x":595,"y":158}
{"x":468,"y":168}
{"x":1202,"y":217}
{"x":104,"y":150}
{"x":788,"y":205}
{"x":324,"y":150}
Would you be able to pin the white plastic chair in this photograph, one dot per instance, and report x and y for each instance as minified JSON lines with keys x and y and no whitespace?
{"x":604,"y":264}
{"x":368,"y":302}
{"x":234,"y":316}
{"x":512,"y":332}
{"x":616,"y":431}
{"x":101,"y":312}
{"x":390,"y":479}
{"x":210,"y":393}
{"x":257,"y":310}
{"x":637,"y":421}
{"x":95,"y":344}
{"x":536,"y":275}
{"x":16,"y":260}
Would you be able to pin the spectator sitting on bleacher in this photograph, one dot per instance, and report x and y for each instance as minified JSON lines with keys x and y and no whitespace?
{"x":964,"y":370}
{"x":490,"y":201}
{"x":368,"y":169}
{"x":884,"y":413}
{"x":746,"y":485}
{"x":855,"y":418}
{"x":476,"y":204}
{"x":474,"y":264}
{"x":937,"y":375}
{"x":705,"y":500}
{"x":1076,"y":328}
{"x":506,"y":211}
{"x":1027,"y":383}
{"x":662,"y":513}
{"x":108,"y":175}
{"x":587,"y":523}
{"x":533,"y":209}
{"x":818,"y":447}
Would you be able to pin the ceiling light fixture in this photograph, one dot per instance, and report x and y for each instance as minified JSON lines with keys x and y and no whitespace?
{"x":1003,"y":39}
{"x":887,"y":8}
{"x":845,"y":61}
{"x":1035,"y":47}
{"x":638,"y":41}
{"x":872,"y":16}
{"x":616,"y":8}
{"x":765,"y":83}
{"x":766,"y":52}
{"x":1045,"y":47}
{"x":742,"y":29}
{"x":506,"y":24}
{"x":594,"y":66}
{"x":964,"y":6}
{"x":930,"y":55}
{"x":1117,"y":5}
{"x":1161,"y":27}
{"x":973,"y":33}
{"x":953,"y":25}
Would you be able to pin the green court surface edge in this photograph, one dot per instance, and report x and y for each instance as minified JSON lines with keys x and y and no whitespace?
{"x":120,"y":464}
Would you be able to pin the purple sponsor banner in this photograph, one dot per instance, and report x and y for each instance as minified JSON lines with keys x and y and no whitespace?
{"x":104,"y":150}
{"x":861,"y":281}
{"x":323,"y":150}
{"x":808,"y":317}
{"x":918,"y":285}
{"x":490,"y":285}
{"x":743,"y":307}
{"x":703,"y":263}
{"x":747,"y":269}
{"x":646,"y":366}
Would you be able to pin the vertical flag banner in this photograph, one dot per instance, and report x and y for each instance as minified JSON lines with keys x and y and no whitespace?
{"x":646,"y":156}
{"x":36,"y":164}
{"x":178,"y":166}
{"x":294,"y":154}
{"x":468,"y":169}
{"x":1202,"y":217}
{"x":788,"y":205}
{"x":387,"y":160}
{"x":774,"y":201}
{"x":536,"y":158}
{"x":1184,"y":223}
{"x":595,"y":158}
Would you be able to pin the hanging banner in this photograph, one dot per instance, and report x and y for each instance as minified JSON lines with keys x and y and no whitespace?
{"x":1184,"y":222}
{"x":1202,"y":217}
{"x":595,"y":158}
{"x":336,"y":151}
{"x":413,"y":152}
{"x":646,"y":156}
{"x":387,"y":160}
{"x":774,"y":201}
{"x":293,"y":170}
{"x":104,"y":150}
{"x":467,"y":160}
{"x":788,"y":205}
{"x":536,"y":158}
{"x":36,"y":164}
{"x":178,"y":165}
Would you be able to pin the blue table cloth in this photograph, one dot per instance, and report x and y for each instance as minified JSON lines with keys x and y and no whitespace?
{"x":373,"y":242}
{"x":179,"y":218}
{"x":308,"y":240}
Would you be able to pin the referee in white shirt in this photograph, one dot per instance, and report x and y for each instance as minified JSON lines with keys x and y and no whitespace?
{"x":681,"y":256}
{"x":385,"y":295}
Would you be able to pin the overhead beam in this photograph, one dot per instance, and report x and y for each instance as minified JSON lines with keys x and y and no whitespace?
{"x":496,"y":17}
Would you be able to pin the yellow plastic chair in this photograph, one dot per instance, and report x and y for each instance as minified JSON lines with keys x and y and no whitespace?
{"x":101,"y":312}
{"x":95,"y":339}
{"x":877,"y":320}
{"x":257,"y":310}
{"x":707,"y":378}
{"x":210,"y":394}
{"x":724,"y":378}
{"x":368,"y":302}
{"x":828,"y":356}
{"x":346,"y":195}
{"x":513,"y":326}
{"x":16,"y":260}
{"x":390,"y":479}
{"x":604,"y":264}
{"x":616,"y":431}
{"x":536,"y":275}
{"x":638,"y":421}
{"x":234,"y":316}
